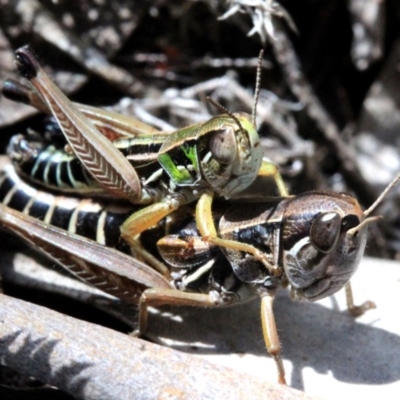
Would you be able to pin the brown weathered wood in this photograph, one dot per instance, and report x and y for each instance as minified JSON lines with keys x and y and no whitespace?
{"x":92,"y":362}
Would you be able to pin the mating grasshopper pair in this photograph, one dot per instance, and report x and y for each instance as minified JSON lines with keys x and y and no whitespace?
{"x":222,"y":156}
{"x":313,"y":241}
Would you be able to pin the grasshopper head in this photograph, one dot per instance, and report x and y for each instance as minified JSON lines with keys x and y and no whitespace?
{"x":323,"y":238}
{"x":234,"y":154}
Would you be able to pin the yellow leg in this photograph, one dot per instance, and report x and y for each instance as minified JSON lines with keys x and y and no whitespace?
{"x":185,"y":253}
{"x":149,"y":259}
{"x":206,"y":226}
{"x":269,"y":169}
{"x":270,"y":333}
{"x":147,"y":217}
{"x":143,"y":220}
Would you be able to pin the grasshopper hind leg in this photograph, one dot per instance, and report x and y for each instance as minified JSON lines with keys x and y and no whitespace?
{"x":144,"y":219}
{"x":156,"y":297}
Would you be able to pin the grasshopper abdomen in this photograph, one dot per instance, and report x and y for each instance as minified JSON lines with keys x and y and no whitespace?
{"x":95,"y":220}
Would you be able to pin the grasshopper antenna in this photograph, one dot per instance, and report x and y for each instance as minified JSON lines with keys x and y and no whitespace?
{"x":256,"y":97}
{"x":368,"y":211}
{"x":382,"y":195}
{"x":257,"y":89}
{"x":226,"y":111}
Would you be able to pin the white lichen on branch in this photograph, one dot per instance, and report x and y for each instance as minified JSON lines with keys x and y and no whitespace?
{"x":262,"y":13}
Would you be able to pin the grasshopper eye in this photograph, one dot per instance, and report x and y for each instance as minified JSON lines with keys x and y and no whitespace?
{"x":325,"y":231}
{"x":223,"y":145}
{"x":350,"y":221}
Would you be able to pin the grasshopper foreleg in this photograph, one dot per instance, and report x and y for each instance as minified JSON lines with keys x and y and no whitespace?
{"x":206,"y":226}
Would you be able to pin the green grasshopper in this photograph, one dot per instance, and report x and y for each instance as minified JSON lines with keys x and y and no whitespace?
{"x":221,"y":156}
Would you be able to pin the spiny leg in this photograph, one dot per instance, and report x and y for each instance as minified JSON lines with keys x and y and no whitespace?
{"x":270,"y":333}
{"x":157,"y":297}
{"x":144,"y":219}
{"x":206,"y":226}
{"x":173,"y":297}
{"x":354,"y":310}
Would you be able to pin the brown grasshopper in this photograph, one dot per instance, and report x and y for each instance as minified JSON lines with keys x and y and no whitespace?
{"x":315,"y":240}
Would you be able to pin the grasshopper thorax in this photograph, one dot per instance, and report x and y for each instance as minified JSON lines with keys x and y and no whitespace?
{"x":323,"y":240}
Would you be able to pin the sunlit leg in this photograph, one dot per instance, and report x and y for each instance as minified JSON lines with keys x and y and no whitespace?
{"x":270,"y":333}
{"x":269,"y":169}
{"x":142,"y":220}
{"x":158,"y":297}
{"x":354,"y":310}
{"x":206,"y":226}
